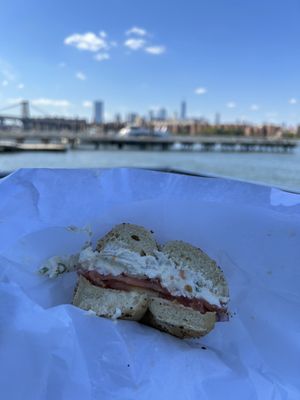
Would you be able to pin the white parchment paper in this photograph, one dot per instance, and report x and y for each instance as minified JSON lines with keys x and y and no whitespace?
{"x":51,"y":350}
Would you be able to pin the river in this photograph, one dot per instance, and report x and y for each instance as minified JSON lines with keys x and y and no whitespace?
{"x":278,"y":169}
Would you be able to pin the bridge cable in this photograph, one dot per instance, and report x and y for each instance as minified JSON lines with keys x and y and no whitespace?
{"x":9,"y":107}
{"x":45,"y":114}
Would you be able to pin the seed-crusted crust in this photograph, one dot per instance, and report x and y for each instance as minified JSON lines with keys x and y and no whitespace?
{"x":193,"y":258}
{"x":131,"y":237}
{"x":143,"y":306}
{"x":177,"y":320}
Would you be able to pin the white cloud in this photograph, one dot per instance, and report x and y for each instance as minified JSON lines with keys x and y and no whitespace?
{"x":134,"y":44}
{"x":87,"y":41}
{"x":20,"y":86}
{"x":102,"y":56}
{"x":156,"y":50}
{"x":51,"y":102}
{"x":231,"y":104}
{"x":103,"y":34}
{"x":87,"y":104}
{"x":254,"y":107}
{"x":5,"y":82}
{"x":293,"y":101}
{"x":135,"y":30}
{"x":62,"y":64}
{"x":81,"y":76}
{"x":200,"y":90}
{"x":14,"y":100}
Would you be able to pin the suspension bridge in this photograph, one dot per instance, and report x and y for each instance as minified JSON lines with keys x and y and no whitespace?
{"x":41,"y":122}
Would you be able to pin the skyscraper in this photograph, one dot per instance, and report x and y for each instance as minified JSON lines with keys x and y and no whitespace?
{"x":98,"y":112}
{"x":151,"y":115}
{"x":218,"y":119}
{"x":132,"y":117}
{"x":118,"y":118}
{"x":183,"y":110}
{"x":162,"y":114}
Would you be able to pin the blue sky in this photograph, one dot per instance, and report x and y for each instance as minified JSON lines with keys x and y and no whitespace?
{"x":236,"y":57}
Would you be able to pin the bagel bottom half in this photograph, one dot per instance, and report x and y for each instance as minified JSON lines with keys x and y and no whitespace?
{"x":143,"y":306}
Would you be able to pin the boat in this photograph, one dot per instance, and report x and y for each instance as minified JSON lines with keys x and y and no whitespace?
{"x":138,"y":131}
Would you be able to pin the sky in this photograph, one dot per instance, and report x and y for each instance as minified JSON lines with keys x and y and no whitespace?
{"x":238,"y":58}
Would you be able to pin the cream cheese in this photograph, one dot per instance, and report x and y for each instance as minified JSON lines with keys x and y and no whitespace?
{"x":117,"y":314}
{"x":177,"y":279}
{"x":115,"y":259}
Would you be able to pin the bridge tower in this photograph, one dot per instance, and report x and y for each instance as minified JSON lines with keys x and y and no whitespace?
{"x":25,"y":109}
{"x":25,"y":115}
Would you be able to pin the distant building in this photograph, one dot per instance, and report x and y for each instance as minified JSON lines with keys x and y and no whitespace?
{"x":118,"y":118}
{"x":218,"y":119}
{"x":132,"y":117}
{"x":183,"y":110}
{"x":162,"y":114}
{"x":98,"y":112}
{"x":151,"y":115}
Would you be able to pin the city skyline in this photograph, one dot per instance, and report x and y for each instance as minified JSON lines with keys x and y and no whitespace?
{"x":222,"y":58}
{"x":97,"y":115}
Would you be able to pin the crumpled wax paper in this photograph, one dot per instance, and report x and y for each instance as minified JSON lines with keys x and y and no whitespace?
{"x":50,"y":349}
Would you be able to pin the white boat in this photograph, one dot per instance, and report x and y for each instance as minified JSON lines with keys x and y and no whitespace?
{"x":138,"y":131}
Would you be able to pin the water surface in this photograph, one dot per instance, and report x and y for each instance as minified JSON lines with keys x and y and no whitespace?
{"x":276,"y":169}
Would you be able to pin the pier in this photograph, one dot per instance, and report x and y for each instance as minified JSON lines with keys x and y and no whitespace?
{"x":13,"y":147}
{"x":63,"y":140}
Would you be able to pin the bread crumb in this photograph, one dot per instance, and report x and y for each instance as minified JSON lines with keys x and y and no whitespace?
{"x":188,"y":288}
